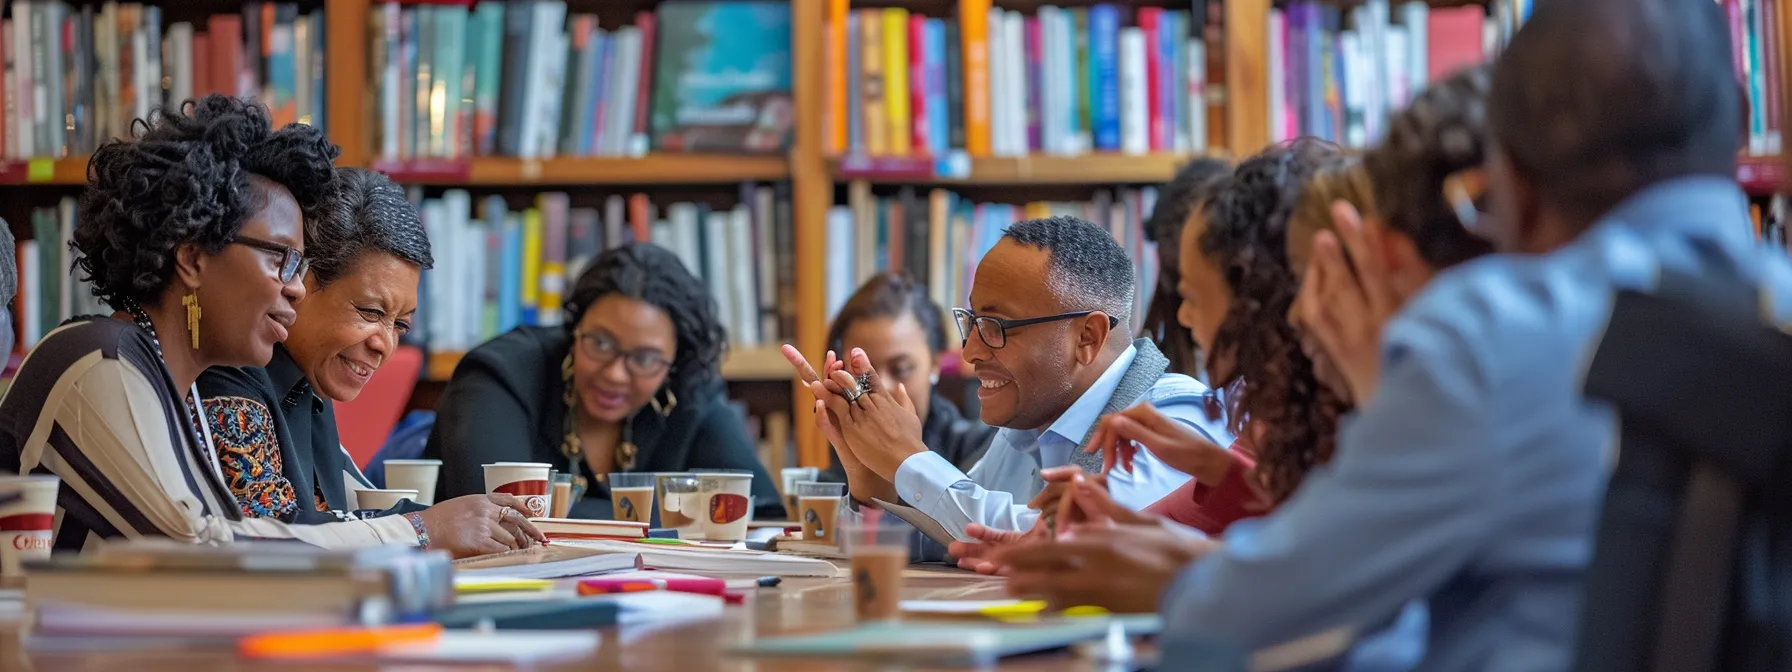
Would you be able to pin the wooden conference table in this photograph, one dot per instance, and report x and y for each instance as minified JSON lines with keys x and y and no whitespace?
{"x":796,"y":606}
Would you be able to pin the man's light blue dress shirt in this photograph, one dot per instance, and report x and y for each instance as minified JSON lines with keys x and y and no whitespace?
{"x":1472,"y":480}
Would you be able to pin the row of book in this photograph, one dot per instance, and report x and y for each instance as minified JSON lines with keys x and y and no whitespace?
{"x":994,"y":82}
{"x":1755,"y":41}
{"x":503,"y":267}
{"x":50,"y":289}
{"x":526,"y":79}
{"x":75,"y":76}
{"x":1338,"y":74}
{"x":939,"y":237}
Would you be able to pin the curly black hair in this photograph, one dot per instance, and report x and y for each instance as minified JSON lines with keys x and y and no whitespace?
{"x":1087,"y":266}
{"x":369,"y":214}
{"x":652,"y":274}
{"x":184,"y":178}
{"x":1443,"y":131}
{"x":1183,"y":195}
{"x":1256,"y":354}
{"x":890,"y":295}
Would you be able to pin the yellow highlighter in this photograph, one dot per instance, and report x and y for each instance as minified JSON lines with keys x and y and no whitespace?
{"x":1032,"y":609}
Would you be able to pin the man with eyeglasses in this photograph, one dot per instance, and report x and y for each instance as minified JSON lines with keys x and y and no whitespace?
{"x":1044,"y":336}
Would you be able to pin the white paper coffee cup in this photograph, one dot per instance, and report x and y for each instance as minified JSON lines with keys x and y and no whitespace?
{"x":26,"y":524}
{"x":727,"y":504}
{"x":527,"y":480}
{"x":367,"y":498}
{"x":419,"y":475}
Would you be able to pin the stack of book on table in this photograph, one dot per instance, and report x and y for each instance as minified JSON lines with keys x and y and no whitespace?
{"x":162,"y":588}
{"x":566,"y":557}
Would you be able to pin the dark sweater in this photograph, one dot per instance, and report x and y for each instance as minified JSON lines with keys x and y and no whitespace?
{"x":506,"y":403}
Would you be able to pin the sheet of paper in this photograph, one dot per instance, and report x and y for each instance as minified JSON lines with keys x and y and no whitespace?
{"x":924,"y":523}
{"x":516,"y":647}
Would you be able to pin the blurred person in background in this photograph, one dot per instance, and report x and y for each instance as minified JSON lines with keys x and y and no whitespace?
{"x":1180,"y":198}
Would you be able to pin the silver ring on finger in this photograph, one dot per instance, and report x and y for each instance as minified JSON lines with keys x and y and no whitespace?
{"x":852,"y":396}
{"x":864,"y":383}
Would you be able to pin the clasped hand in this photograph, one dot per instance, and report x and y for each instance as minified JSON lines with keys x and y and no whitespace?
{"x":873,"y":430}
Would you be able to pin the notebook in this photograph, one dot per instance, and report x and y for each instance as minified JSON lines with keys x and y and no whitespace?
{"x":940,"y":644}
{"x":708,"y":560}
{"x":573,"y":528}
{"x":548,"y":562}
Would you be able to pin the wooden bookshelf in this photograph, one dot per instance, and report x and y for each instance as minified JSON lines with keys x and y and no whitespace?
{"x":743,"y":365}
{"x":70,"y":172}
{"x":500,"y":171}
{"x":1104,"y":168}
{"x":1761,"y":175}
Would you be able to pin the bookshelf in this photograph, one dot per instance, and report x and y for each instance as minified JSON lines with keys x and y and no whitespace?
{"x":1239,"y":100}
{"x":756,"y":364}
{"x":71,"y":172}
{"x":1013,"y":171}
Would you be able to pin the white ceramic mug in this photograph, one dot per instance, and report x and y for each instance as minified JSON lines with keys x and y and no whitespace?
{"x":371,"y":498}
{"x":419,"y":475}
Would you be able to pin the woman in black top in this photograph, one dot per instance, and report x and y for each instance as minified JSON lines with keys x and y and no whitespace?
{"x":639,"y":393}
{"x":892,"y":319}
{"x":275,"y":427}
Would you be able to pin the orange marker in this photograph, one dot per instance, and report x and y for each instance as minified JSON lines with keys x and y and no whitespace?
{"x":305,"y":643}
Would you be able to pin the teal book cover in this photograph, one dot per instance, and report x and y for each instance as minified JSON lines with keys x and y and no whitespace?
{"x":722,"y":78}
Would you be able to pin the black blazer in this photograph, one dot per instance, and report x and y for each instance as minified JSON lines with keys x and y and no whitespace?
{"x":961,"y":440}
{"x":506,"y":403}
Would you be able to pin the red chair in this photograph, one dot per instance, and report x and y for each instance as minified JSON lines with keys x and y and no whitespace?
{"x":365,"y":422}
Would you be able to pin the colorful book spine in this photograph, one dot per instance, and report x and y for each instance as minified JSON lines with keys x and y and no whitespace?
{"x":973,"y":21}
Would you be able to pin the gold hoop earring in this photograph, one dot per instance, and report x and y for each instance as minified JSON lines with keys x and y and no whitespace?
{"x":666,"y":408}
{"x":191,"y":301}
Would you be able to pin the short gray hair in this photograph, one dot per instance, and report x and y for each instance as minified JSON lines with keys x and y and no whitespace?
{"x":369,"y":214}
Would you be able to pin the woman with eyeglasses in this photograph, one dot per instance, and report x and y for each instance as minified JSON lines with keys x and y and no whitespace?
{"x":193,"y":230}
{"x":275,"y":427}
{"x":630,"y":383}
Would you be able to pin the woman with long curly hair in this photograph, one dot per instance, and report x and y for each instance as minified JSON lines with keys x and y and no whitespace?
{"x":629,"y":384}
{"x":193,"y":231}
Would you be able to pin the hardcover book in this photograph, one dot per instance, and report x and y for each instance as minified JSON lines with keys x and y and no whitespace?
{"x":724,"y":78}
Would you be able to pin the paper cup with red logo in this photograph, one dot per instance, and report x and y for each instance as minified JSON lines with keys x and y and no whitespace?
{"x":527,"y":480}
{"x":25,"y":523}
{"x":727,"y":504}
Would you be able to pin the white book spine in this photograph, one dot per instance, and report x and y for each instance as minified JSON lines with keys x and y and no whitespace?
{"x":28,"y":90}
{"x":1017,"y":77}
{"x":765,"y":259}
{"x":715,"y":268}
{"x":1415,"y":15}
{"x":1398,"y":93}
{"x":1134,"y":138}
{"x":390,"y":81}
{"x":180,"y":63}
{"x":1050,"y":110}
{"x":839,"y":258}
{"x":1197,"y":96}
{"x":625,"y":80}
{"x":615,"y":220}
{"x":30,"y":304}
{"x":741,"y":262}
{"x":998,"y":87}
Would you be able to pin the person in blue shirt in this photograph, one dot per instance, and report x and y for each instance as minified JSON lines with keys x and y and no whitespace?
{"x":1470,"y":478}
{"x":1471,"y":475}
{"x":1044,"y":336}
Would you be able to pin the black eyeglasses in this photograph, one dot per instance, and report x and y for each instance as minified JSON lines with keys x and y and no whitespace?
{"x":292,"y":262}
{"x":994,"y":330}
{"x":640,"y":363}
